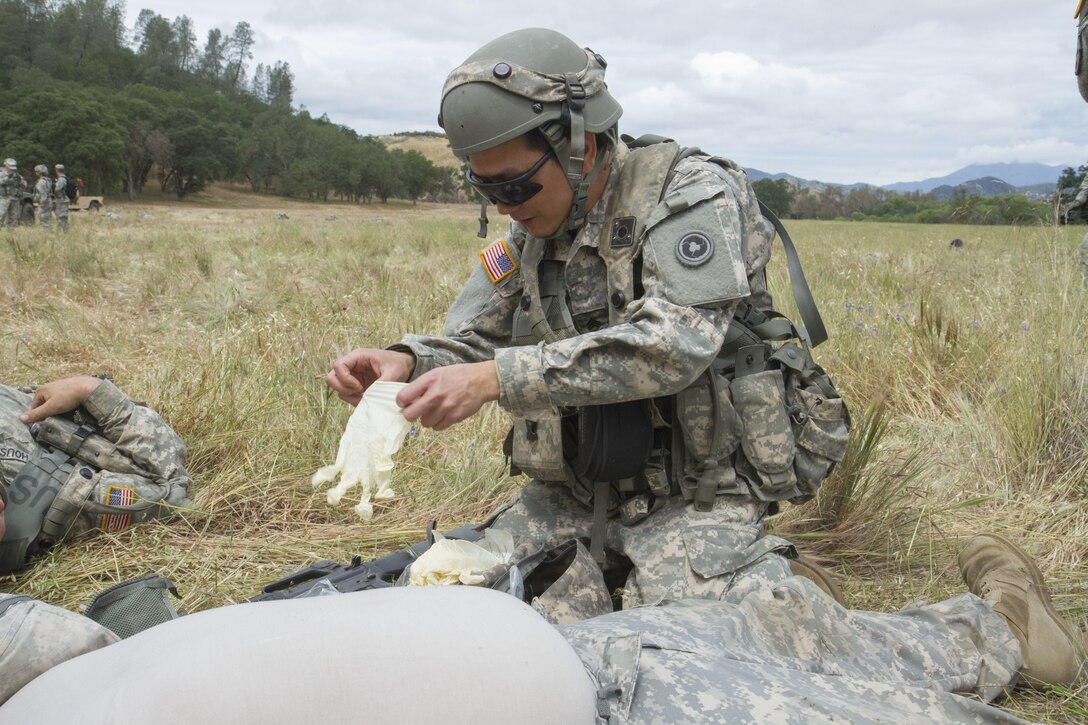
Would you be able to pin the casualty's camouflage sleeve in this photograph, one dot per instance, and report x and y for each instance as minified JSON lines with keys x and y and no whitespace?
{"x":141,"y":434}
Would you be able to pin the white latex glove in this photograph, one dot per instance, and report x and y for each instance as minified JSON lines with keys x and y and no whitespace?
{"x":452,"y":561}
{"x":373,"y":434}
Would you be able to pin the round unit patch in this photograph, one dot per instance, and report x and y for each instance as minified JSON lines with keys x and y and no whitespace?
{"x":694,"y":249}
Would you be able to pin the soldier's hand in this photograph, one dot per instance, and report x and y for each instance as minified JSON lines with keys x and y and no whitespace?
{"x":448,"y":395}
{"x":59,"y":396}
{"x":352,"y":374}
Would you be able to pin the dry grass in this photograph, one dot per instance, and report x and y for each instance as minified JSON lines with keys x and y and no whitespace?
{"x":965,"y":370}
{"x":435,"y":149}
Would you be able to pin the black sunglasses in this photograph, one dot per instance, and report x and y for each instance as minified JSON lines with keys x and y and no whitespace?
{"x":512,"y":191}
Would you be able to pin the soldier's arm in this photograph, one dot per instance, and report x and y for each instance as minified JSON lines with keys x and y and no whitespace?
{"x":141,"y":434}
{"x":478,"y":323}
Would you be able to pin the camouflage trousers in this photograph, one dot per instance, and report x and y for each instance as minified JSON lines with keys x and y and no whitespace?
{"x":35,"y":636}
{"x":10,"y":208}
{"x":676,"y":552}
{"x":45,"y":214}
{"x":1084,"y":254}
{"x":788,"y":653}
{"x":60,"y":208}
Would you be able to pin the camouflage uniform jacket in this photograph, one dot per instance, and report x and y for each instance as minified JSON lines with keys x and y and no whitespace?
{"x":10,"y":183}
{"x":99,"y":499}
{"x":60,"y":190}
{"x":659,"y":342}
{"x":43,"y":192}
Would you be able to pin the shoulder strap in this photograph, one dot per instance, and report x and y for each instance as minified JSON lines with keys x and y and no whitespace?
{"x":806,"y":306}
{"x":641,"y":184}
{"x":814,"y":328}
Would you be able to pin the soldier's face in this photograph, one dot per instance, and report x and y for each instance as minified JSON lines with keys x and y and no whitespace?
{"x":545,"y":211}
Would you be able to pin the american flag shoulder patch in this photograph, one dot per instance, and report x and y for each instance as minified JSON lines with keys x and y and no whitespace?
{"x":118,"y":496}
{"x":498,"y":261}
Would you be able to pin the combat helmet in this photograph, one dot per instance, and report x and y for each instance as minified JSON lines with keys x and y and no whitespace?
{"x":532,"y":79}
{"x":11,"y":164}
{"x":41,"y":170}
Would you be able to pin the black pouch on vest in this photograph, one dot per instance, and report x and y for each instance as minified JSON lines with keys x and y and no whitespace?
{"x":614,"y":441}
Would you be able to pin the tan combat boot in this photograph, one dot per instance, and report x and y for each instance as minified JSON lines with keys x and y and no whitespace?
{"x":1000,"y":572}
{"x":809,"y":569}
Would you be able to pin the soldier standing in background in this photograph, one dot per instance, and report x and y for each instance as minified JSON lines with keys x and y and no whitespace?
{"x":11,"y":187}
{"x":60,"y":197}
{"x":43,"y":193}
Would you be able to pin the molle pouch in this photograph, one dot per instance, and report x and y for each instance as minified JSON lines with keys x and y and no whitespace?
{"x":103,"y":500}
{"x":767,"y":439}
{"x":568,"y":585}
{"x":821,"y":441}
{"x":131,"y":606}
{"x":711,"y":431}
{"x":537,"y":447}
{"x":614,"y":441}
{"x":522,"y":333}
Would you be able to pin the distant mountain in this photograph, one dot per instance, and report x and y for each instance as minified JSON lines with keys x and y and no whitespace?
{"x":1014,"y":174}
{"x":986,"y":186}
{"x":799,"y":183}
{"x":1035,"y":181}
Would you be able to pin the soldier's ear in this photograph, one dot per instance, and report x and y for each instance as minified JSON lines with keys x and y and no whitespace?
{"x":591,"y":154}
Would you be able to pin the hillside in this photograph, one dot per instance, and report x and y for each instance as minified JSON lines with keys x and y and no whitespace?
{"x":126,"y":109}
{"x":434,"y":147}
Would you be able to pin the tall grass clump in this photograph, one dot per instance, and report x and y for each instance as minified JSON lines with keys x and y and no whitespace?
{"x":871,"y":505}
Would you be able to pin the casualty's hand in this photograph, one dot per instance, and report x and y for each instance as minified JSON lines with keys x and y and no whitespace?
{"x":448,"y":395}
{"x":59,"y":396}
{"x":352,"y":374}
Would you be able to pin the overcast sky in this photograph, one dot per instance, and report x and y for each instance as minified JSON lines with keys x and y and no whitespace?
{"x":841,"y":91}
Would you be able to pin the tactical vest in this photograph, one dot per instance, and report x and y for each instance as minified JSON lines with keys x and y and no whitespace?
{"x":764,"y":421}
{"x":53,"y":496}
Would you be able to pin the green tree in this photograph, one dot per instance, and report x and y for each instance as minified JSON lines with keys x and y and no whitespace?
{"x":203,"y":151}
{"x":777,"y":194}
{"x":418,"y":175}
{"x":238,"y":52}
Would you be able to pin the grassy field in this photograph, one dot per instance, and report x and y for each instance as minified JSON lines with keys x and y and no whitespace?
{"x":966,"y":371}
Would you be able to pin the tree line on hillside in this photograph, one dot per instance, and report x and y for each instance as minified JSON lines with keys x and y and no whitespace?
{"x":869,"y":203}
{"x":123,"y":108}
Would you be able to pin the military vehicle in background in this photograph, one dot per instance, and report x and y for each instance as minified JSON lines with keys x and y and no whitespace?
{"x":28,"y":214}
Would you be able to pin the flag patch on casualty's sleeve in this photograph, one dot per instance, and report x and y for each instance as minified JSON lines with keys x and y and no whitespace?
{"x":498,"y":261}
{"x":118,"y":496}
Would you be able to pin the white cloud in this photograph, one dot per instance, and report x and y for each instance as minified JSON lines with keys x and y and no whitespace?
{"x":846,"y":91}
{"x":739,"y":74}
